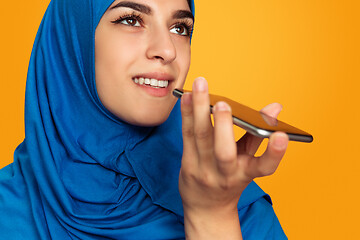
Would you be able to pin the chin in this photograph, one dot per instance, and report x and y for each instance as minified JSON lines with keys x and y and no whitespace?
{"x":150,"y":121}
{"x":145,"y":114}
{"x":148,"y":118}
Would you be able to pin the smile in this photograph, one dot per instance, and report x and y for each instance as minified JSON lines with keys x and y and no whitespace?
{"x":151,"y":82}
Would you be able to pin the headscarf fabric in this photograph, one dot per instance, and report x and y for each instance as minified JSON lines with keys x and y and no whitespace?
{"x":82,"y":173}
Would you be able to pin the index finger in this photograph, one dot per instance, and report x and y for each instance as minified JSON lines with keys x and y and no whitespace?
{"x":203,"y":129}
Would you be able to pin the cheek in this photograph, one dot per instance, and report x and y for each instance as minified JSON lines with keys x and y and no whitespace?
{"x":115,"y":54}
{"x":183,"y":59}
{"x":183,"y":50}
{"x":112,"y":53}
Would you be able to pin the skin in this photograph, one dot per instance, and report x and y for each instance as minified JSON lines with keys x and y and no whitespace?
{"x":123,"y":51}
{"x":215,"y":169}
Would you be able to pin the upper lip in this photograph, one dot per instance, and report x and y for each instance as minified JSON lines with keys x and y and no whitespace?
{"x":156,"y":75}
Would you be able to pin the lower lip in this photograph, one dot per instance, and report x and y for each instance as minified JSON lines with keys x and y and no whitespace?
{"x":156,"y":92}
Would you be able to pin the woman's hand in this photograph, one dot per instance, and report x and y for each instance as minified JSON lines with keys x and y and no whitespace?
{"x":216,"y":169}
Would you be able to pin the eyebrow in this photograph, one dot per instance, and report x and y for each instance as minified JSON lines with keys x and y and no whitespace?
{"x":136,"y":6}
{"x":180,"y":14}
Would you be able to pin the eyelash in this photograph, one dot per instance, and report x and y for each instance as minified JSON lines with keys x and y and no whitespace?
{"x":135,"y":16}
{"x":187,"y":24}
{"x":182,"y":23}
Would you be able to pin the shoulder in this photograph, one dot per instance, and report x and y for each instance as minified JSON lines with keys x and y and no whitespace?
{"x":257,"y":217}
{"x":16,"y":221}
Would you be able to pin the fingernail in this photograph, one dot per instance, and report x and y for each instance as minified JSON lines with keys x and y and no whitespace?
{"x":222,"y":106}
{"x":200,"y":84}
{"x":271,"y":106}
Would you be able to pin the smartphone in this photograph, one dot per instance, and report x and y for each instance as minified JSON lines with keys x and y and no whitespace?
{"x":254,"y":121}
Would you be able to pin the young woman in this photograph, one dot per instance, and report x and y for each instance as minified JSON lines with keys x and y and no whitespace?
{"x":103,"y":156}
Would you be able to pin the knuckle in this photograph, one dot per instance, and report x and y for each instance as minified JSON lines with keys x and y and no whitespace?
{"x":201,"y":98}
{"x":202,"y":134}
{"x":226,"y":184}
{"x":226,"y":168}
{"x":188,"y":132}
{"x":267,"y":171}
{"x":186,"y":173}
{"x":224,"y":156}
{"x":205,"y":179}
{"x":186,"y":111}
{"x":271,"y":170}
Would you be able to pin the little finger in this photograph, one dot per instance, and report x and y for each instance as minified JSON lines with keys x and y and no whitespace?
{"x":270,"y":160}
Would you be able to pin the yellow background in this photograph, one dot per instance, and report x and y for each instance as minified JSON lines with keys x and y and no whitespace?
{"x":303,"y":54}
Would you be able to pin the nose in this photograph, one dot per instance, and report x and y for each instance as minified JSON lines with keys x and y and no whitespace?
{"x":161,"y":46}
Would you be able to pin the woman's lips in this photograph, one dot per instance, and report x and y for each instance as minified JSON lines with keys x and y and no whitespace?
{"x":155,"y":84}
{"x":156,"y":75}
{"x":152,"y":82}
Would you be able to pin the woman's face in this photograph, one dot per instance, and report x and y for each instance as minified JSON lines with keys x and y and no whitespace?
{"x":142,"y":52}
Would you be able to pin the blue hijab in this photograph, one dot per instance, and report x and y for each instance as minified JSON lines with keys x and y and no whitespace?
{"x":82,"y":173}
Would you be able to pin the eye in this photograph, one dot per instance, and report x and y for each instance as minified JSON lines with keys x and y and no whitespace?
{"x":130,"y":20}
{"x":180,"y":30}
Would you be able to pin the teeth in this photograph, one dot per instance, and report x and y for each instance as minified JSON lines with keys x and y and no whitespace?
{"x":152,"y":82}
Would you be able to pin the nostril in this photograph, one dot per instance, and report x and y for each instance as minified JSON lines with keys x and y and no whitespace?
{"x":158,"y":57}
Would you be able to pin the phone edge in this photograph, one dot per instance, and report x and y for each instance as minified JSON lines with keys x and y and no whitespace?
{"x":259,"y":132}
